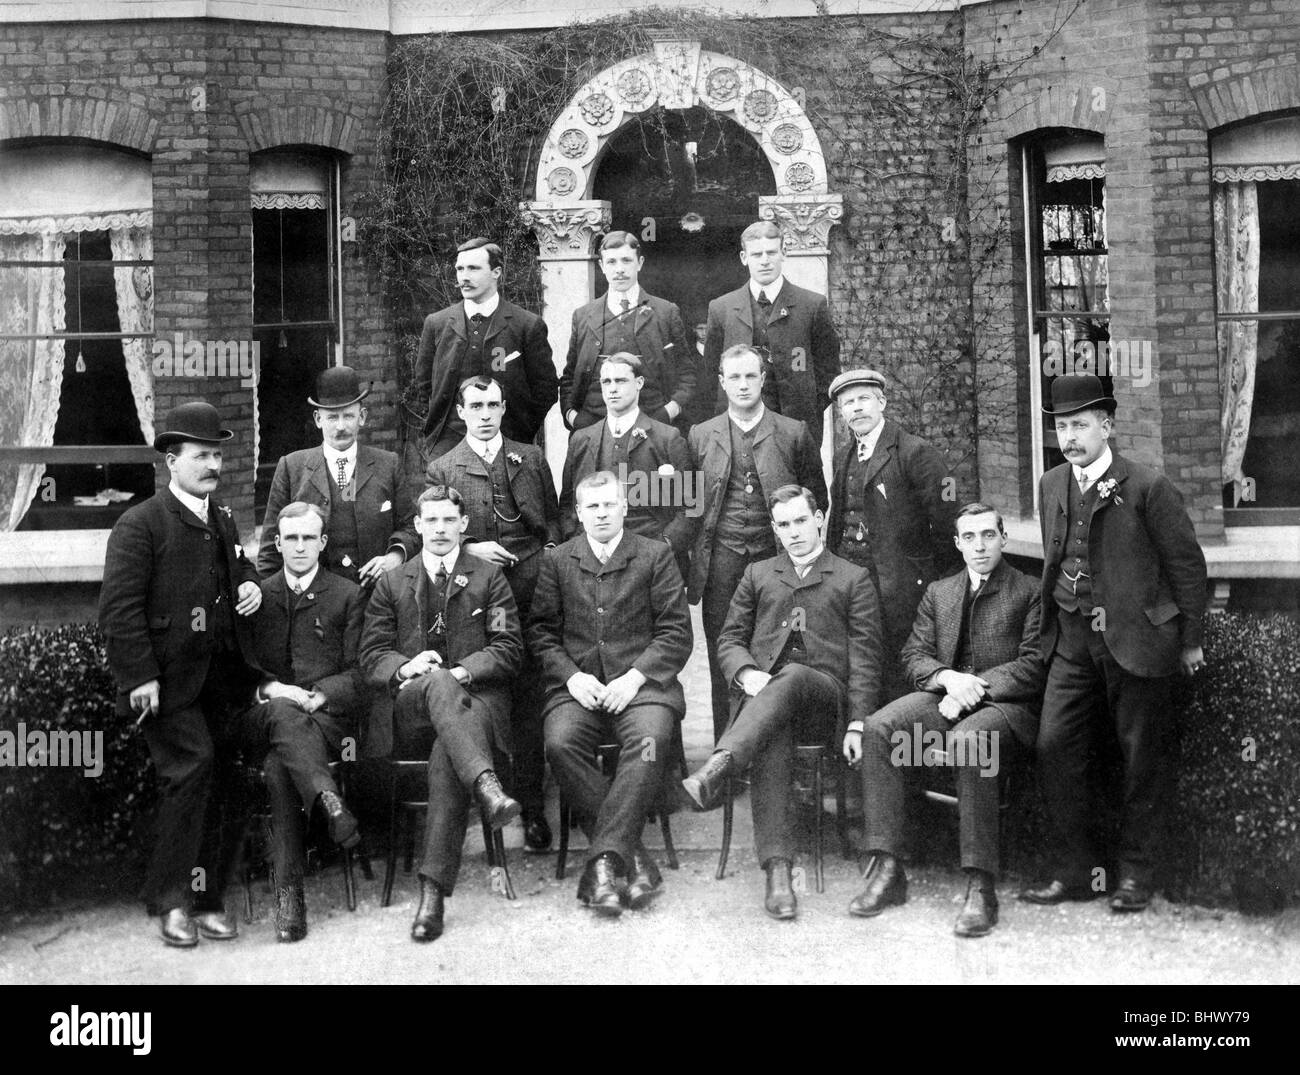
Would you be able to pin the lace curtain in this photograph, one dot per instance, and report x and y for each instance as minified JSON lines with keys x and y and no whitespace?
{"x":1236,"y":243}
{"x":32,"y":303}
{"x":134,"y":284}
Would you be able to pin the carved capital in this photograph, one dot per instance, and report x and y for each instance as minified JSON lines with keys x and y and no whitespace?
{"x":566,"y":232}
{"x":805,"y":220}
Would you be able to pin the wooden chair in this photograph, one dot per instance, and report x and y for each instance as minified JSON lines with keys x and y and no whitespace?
{"x":607,"y":762}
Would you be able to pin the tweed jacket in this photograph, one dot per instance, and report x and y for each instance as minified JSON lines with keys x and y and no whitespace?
{"x":319,"y":631}
{"x":605,"y":619}
{"x":530,"y":483}
{"x":483,"y":637}
{"x":909,"y":519}
{"x":834,"y":606}
{"x":516,"y":345}
{"x":784,"y":454}
{"x":379,"y":490}
{"x":661,"y":342}
{"x":152,"y":599}
{"x":1148,"y":569}
{"x":804,"y":348}
{"x":1003,"y":636}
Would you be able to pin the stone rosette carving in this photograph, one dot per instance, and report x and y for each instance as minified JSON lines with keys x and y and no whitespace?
{"x":562,"y":181}
{"x":566,"y":232}
{"x":634,"y":87}
{"x":573,"y":143}
{"x":760,"y":105}
{"x":805,"y":225}
{"x":597,"y":109}
{"x":787,"y":138}
{"x":800,"y":176}
{"x":722,"y":84}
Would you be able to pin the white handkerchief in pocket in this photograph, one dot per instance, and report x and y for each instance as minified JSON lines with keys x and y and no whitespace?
{"x":387,"y":505}
{"x":881,"y":487}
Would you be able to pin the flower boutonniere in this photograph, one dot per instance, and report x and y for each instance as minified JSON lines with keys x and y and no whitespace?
{"x":639,"y":434}
{"x":784,"y":312}
{"x":461,"y":580}
{"x":1106,"y":488}
{"x":224,"y":510}
{"x":515,"y":457}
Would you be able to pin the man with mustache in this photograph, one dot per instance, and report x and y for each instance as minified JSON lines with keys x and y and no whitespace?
{"x":174,"y":608}
{"x":1123,"y":596}
{"x":483,"y":335}
{"x":630,"y":320}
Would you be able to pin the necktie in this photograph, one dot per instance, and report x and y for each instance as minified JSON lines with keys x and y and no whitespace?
{"x":764,"y":302}
{"x":297,"y":587}
{"x":488,"y":456}
{"x":478,"y":319}
{"x":343,"y":472}
{"x":864,"y":452}
{"x":603,"y":554}
{"x":1084,"y":482}
{"x":624,"y":306}
{"x":439,"y":597}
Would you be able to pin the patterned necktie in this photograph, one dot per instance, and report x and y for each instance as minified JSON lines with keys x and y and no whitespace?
{"x":343,"y":472}
{"x":297,"y":587}
{"x":624,"y":305}
{"x":864,"y":452}
{"x":478,"y":319}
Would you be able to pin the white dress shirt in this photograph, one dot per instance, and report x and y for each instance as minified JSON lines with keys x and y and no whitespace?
{"x":772,"y":290}
{"x":199,"y":507}
{"x":802,"y":564}
{"x":431,"y":562}
{"x":867,"y":444}
{"x":1094,"y":470}
{"x":302,"y":582}
{"x":487,"y":307}
{"x":604,"y":551}
{"x":619,"y":426}
{"x":486,"y":449}
{"x":349,"y":457}
{"x":614,"y":299}
{"x":748,"y":423}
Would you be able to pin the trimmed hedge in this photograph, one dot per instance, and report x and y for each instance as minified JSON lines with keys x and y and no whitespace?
{"x":1236,"y":823}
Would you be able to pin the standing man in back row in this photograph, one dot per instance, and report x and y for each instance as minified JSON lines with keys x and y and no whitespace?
{"x":483,"y":336}
{"x":788,"y":325}
{"x":627,"y":319}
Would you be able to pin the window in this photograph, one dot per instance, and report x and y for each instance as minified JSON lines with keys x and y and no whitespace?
{"x":1256,"y":199}
{"x":76,"y":320}
{"x":1067,"y":272}
{"x":295,"y":298}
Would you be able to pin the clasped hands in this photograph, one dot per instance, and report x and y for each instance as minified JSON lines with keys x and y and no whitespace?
{"x":430,"y":660}
{"x":613,"y":697}
{"x":307,"y":701}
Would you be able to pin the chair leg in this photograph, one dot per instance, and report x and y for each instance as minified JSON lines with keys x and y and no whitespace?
{"x":842,"y":809}
{"x":728,"y":809}
{"x":489,"y":845}
{"x":818,"y":869}
{"x":669,"y":850}
{"x":565,"y":824}
{"x":349,"y":879}
{"x":409,"y":830}
{"x":390,"y":867}
{"x":501,"y":869}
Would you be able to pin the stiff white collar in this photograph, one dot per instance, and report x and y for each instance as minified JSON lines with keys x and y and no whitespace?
{"x":1094,"y":470}
{"x":772,"y":290}
{"x":606,"y":550}
{"x":870,"y":440}
{"x":303,"y":582}
{"x":194,"y":503}
{"x":619,"y":426}
{"x":487,"y":307}
{"x":614,"y":299}
{"x":746,"y":424}
{"x":483,"y":448}
{"x":431,"y":561}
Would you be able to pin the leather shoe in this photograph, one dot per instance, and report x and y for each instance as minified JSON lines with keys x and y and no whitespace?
{"x":343,"y":826}
{"x":603,"y":886}
{"x":428,"y":916}
{"x":495,"y":804}
{"x":217,"y":925}
{"x":980,"y":914}
{"x":178,"y":929}
{"x":537,"y":833}
{"x":290,"y":913}
{"x":1132,"y":895}
{"x":1056,"y":892}
{"x":646,"y":879}
{"x":886,"y":886}
{"x":704,"y":786}
{"x":778,"y":900}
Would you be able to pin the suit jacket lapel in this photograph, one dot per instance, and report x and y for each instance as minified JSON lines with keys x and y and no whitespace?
{"x":497,"y":322}
{"x":948,"y":621}
{"x":740,"y":307}
{"x":782,"y":304}
{"x":363,"y":471}
{"x":316,"y":475}
{"x":884,"y":449}
{"x":458,"y":320}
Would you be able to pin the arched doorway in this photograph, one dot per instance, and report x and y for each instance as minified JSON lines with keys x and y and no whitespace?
{"x":677,"y":79}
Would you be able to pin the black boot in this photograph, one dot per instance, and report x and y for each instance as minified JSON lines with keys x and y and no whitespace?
{"x":428,"y":916}
{"x":779,"y":901}
{"x":705,"y":785}
{"x":980,"y":914}
{"x":290,"y":912}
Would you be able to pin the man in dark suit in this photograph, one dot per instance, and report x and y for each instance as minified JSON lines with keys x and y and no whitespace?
{"x":442,"y":637}
{"x":802,"y":641}
{"x":1123,"y":597}
{"x":650,"y":459}
{"x":627,"y":319}
{"x":306,"y":636}
{"x":483,"y":336}
{"x":741,"y":456}
{"x":790,"y":326}
{"x":973,"y":662}
{"x":509,"y":496}
{"x":892,"y":510}
{"x":362,"y":489}
{"x":612,"y":630}
{"x":174,"y":610}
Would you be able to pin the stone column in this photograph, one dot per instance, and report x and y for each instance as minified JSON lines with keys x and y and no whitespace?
{"x":565,"y":237}
{"x":805,"y":221}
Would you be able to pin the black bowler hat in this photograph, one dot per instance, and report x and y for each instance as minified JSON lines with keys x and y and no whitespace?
{"x":338,"y":386}
{"x":1079,"y":392}
{"x":197,"y":421}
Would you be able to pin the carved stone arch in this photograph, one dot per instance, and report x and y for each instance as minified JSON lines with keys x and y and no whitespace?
{"x":61,"y":115}
{"x":1249,"y":96}
{"x":271,"y":126}
{"x":675,"y":75}
{"x":1086,"y":105}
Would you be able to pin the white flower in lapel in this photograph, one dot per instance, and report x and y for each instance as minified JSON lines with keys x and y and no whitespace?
{"x":784,"y":312}
{"x":639,"y":434}
{"x":461,"y":580}
{"x":515,"y":457}
{"x":224,"y":510}
{"x":1104,"y":490}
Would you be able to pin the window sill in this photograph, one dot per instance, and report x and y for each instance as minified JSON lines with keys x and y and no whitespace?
{"x":39,"y":556}
{"x":1248,"y":552}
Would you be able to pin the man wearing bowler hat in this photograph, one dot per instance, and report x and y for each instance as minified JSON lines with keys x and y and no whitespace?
{"x":367,"y":503}
{"x":174,"y":608}
{"x":1123,"y":596}
{"x":892,"y":511}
